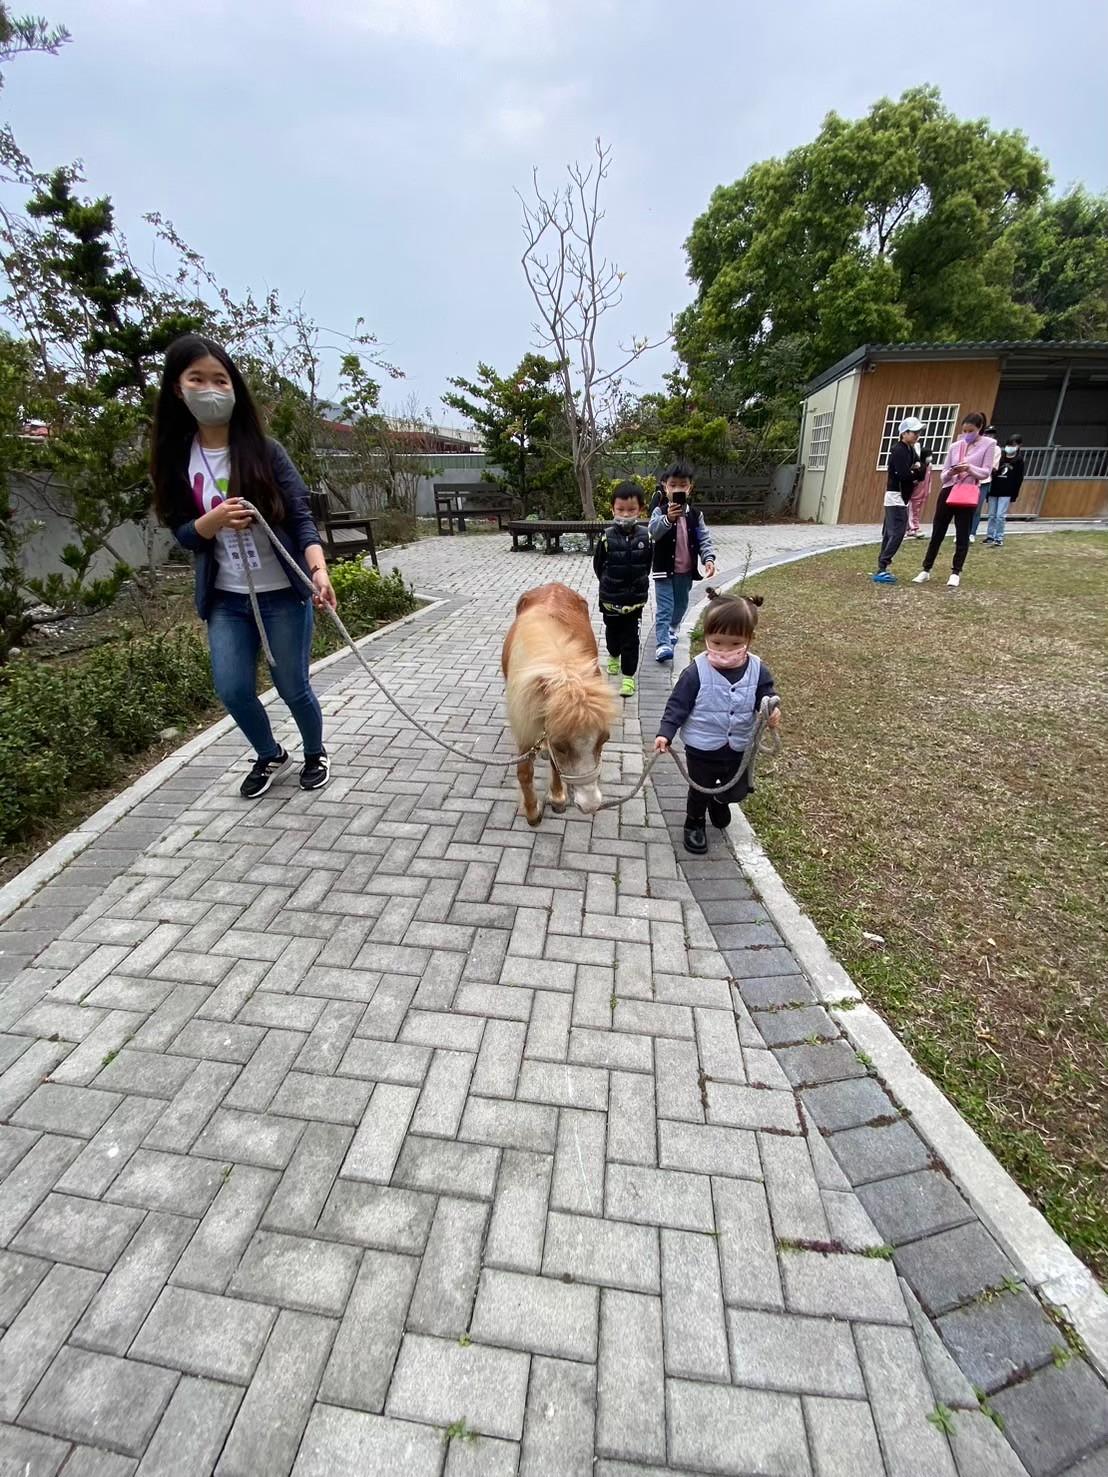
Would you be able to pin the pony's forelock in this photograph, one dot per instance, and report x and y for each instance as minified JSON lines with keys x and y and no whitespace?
{"x":576,"y":700}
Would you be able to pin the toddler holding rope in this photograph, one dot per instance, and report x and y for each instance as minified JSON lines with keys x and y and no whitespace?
{"x":713,"y":703}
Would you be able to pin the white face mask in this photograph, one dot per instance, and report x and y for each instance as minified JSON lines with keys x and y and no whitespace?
{"x":210,"y":407}
{"x":1010,"y":450}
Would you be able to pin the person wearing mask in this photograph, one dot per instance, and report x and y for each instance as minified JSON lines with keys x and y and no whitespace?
{"x":210,"y":457}
{"x":1007,"y":481}
{"x":990,"y":431}
{"x":714,"y":704}
{"x":918,"y":501}
{"x":969,"y":463}
{"x":682,"y":543}
{"x":903,"y":478}
{"x":622,"y":563}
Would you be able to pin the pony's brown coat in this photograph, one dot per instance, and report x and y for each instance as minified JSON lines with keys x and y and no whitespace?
{"x":555,"y":689}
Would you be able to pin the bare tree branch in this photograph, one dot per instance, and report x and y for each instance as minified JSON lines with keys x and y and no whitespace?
{"x":574,"y":286}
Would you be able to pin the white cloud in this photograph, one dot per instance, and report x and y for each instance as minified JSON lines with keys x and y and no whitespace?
{"x":489,"y":27}
{"x":520,"y":116}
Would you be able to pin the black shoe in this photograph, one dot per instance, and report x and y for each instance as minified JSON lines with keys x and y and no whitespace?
{"x":265,"y":771}
{"x":719,"y":814}
{"x":695,"y":840}
{"x":316,"y":771}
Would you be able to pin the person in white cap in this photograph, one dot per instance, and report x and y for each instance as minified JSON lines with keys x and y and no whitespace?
{"x":902,"y":479}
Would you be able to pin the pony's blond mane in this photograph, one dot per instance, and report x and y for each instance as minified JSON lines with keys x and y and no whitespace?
{"x":575,"y":698}
{"x":554,"y":683}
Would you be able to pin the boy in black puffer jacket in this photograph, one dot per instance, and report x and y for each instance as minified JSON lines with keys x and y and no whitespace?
{"x":622,"y":564}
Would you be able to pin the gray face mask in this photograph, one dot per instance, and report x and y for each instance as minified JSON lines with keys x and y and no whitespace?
{"x":626,"y":522}
{"x":210,"y":407}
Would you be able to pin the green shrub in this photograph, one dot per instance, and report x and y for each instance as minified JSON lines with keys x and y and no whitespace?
{"x":63,"y":727}
{"x":366,"y":598}
{"x":605,"y":488}
{"x":394,"y":527}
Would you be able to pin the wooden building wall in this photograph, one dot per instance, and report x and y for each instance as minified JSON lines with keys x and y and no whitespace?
{"x":971,"y":384}
{"x":1066,"y":499}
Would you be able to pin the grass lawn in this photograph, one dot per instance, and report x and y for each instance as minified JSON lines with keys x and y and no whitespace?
{"x":944,"y":785}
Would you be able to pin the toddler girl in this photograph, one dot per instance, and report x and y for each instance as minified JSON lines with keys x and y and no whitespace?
{"x":713,"y":703}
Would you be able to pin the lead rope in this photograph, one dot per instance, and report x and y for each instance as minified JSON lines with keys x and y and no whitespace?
{"x":766,"y":707}
{"x":346,"y":636}
{"x":252,"y":592}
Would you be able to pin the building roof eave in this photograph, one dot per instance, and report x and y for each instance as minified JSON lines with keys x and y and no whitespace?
{"x":1024,"y":351}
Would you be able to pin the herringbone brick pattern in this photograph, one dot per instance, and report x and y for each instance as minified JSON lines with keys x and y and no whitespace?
{"x":374,"y":1132}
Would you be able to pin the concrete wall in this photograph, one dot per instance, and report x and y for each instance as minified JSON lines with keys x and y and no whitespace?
{"x":50,"y":533}
{"x":425,"y":494}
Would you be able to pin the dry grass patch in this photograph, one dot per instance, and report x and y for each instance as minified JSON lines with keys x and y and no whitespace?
{"x":945,"y":786}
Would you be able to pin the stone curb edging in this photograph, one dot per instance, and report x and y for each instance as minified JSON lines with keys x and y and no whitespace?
{"x":25,"y":884}
{"x":1045,"y":1260}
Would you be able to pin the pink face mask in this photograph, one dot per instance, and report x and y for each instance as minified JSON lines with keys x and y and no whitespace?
{"x":727,"y":661}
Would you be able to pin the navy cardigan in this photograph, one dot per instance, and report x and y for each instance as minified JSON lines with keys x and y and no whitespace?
{"x":297,"y":532}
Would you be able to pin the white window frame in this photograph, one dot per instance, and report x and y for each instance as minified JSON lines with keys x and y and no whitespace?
{"x":819,"y":441}
{"x":937,"y":435}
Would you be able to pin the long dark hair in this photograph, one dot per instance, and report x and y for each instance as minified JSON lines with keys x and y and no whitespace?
{"x":175,"y":427}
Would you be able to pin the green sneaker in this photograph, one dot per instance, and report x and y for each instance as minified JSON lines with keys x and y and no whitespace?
{"x":628,"y":688}
{"x":613,"y":666}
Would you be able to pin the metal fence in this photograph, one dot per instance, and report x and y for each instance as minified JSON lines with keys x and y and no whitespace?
{"x":1065,"y":463}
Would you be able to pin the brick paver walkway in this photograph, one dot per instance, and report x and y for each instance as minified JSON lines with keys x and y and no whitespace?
{"x":373,"y":1132}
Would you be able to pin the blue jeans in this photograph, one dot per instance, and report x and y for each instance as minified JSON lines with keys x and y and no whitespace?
{"x":671,"y":600}
{"x":982,"y":499}
{"x":997,"y":514}
{"x":234,"y":644}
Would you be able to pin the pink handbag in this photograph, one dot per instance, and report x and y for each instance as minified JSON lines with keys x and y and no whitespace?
{"x":963,"y":495}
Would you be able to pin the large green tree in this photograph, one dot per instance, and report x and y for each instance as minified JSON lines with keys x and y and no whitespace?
{"x":518,"y":416}
{"x":1061,"y":264}
{"x":99,"y":331}
{"x":906,"y":224}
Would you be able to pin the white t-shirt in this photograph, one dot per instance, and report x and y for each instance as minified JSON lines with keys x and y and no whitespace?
{"x":210,"y":477}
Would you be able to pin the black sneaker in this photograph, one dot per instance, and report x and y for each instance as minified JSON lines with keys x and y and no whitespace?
{"x":316,"y":771}
{"x":719,"y":813}
{"x":695,"y":840}
{"x":265,"y":771}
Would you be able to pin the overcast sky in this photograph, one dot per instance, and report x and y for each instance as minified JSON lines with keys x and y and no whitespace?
{"x":363,"y":153}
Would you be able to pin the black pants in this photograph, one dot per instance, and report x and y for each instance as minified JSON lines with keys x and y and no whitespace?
{"x":963,"y":523}
{"x":892,"y":534}
{"x":621,"y":635}
{"x":713,"y":767}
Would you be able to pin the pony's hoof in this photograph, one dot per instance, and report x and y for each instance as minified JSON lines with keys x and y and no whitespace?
{"x":558,"y":807}
{"x":532,"y":820}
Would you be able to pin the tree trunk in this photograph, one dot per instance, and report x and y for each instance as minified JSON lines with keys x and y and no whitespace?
{"x":584,"y":484}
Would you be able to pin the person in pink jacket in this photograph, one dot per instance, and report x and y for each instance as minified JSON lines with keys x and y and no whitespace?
{"x":970,"y":459}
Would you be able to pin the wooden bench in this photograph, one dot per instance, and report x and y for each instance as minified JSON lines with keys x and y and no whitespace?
{"x":344,"y":534}
{"x":732,"y":494}
{"x":455,"y":500}
{"x":551,"y":531}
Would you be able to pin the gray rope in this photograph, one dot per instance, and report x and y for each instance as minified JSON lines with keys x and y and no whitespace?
{"x":761,"y":722}
{"x":370,"y":673}
{"x":254,"y":606}
{"x":766,"y":708}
